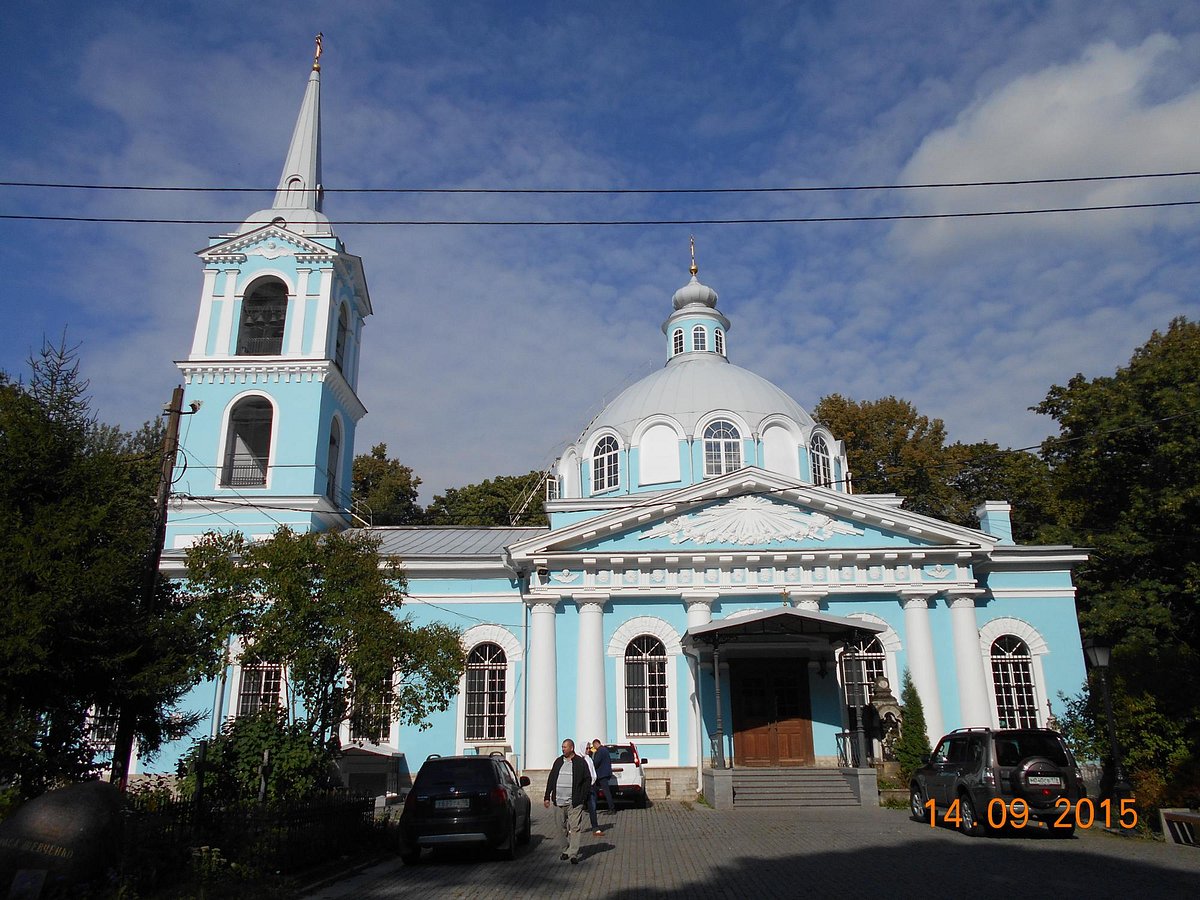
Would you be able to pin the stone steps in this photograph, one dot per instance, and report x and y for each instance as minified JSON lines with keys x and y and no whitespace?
{"x":792,"y":787}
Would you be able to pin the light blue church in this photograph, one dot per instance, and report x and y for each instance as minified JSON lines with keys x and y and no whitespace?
{"x":709,"y":587}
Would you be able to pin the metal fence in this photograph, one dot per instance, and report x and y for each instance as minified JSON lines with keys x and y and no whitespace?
{"x":162,"y":836}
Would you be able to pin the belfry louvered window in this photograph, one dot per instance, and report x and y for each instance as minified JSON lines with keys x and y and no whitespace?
{"x":1012,"y":679}
{"x":645,"y":686}
{"x":487,"y":672}
{"x":264,"y":315}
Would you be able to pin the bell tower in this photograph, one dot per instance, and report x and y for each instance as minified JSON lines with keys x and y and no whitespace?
{"x":272,"y":374}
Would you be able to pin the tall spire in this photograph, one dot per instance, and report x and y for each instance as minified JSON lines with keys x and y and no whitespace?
{"x":300,"y":184}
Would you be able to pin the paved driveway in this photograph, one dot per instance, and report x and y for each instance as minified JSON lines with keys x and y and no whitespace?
{"x":675,"y":848}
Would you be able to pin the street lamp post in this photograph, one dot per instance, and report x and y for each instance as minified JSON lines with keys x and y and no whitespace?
{"x":1099,"y":654}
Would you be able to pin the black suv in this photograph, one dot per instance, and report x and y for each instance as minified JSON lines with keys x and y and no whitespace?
{"x":465,"y":800}
{"x":977,"y":779}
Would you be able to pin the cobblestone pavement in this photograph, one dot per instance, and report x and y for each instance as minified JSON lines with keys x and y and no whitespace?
{"x":676,"y":847}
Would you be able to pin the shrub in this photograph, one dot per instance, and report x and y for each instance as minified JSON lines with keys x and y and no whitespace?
{"x":912,"y":747}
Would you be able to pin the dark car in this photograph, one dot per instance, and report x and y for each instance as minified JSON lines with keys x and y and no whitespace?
{"x":982,"y":779}
{"x":465,"y":801}
{"x":629,"y":779}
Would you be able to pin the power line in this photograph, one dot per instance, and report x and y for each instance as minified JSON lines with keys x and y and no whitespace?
{"x":788,"y":220}
{"x":796,"y":189}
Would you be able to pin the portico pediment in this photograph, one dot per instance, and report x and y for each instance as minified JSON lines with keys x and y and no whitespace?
{"x":751,"y":510}
{"x":270,"y":242}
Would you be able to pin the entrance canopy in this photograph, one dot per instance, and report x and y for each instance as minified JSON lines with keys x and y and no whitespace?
{"x":773,"y":625}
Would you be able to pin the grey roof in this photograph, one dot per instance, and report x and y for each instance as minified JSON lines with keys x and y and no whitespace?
{"x":409,"y":541}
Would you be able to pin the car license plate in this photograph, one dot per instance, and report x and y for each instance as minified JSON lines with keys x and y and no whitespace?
{"x":1048,"y":780}
{"x":458,"y":803}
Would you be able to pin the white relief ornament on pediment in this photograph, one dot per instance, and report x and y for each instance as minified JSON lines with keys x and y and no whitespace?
{"x":748,"y":521}
{"x":272,"y":249}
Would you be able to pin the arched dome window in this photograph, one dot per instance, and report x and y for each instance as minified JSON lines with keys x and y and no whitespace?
{"x":264,"y":314}
{"x":719,"y":341}
{"x":248,"y":443}
{"x":605,"y":468}
{"x":822,"y":462}
{"x":677,"y":342}
{"x":722,"y":448}
{"x":699,"y":342}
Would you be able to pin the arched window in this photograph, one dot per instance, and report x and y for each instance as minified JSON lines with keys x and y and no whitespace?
{"x":373,"y":722}
{"x":333,"y":462}
{"x":677,"y":342}
{"x":1012,"y":679}
{"x":719,"y":341}
{"x":487,"y":669}
{"x":339,"y":348}
{"x":248,"y":443}
{"x":862,"y":662}
{"x":264,"y":313}
{"x":822,"y":462}
{"x":722,"y":448}
{"x":606,"y":472}
{"x":698,"y":340}
{"x":646,"y":686}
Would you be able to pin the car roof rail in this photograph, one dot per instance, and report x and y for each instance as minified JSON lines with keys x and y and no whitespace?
{"x":972,"y":728}
{"x":433,"y":756}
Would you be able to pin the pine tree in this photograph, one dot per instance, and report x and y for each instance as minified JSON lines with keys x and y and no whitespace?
{"x":912,"y":748}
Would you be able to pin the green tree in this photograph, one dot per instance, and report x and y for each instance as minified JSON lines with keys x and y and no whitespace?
{"x":492,"y":502}
{"x":386,"y":488}
{"x":912,"y":747}
{"x":76,"y":525}
{"x":1126,"y":473}
{"x":891,"y":448}
{"x":985,"y":471}
{"x":326,"y":607}
{"x":233,"y":761}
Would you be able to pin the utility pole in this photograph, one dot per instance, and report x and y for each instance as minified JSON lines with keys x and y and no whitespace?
{"x":123,"y":742}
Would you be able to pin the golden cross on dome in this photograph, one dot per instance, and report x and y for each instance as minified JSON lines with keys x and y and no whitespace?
{"x":692,"y":242}
{"x":317,"y":53}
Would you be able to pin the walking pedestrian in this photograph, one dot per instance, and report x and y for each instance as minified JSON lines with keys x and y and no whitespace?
{"x":567,"y":789}
{"x":602,"y":760}
{"x":592,"y":792}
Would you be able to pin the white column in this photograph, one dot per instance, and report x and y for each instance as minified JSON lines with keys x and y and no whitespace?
{"x":699,"y":612}
{"x":320,"y":343}
{"x":227,"y":325}
{"x":591,"y":708}
{"x":921,"y":664}
{"x":541,"y":715}
{"x":295,"y":314}
{"x":200,"y":339}
{"x":968,"y":662}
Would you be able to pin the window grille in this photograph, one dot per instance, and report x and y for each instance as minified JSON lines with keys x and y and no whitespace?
{"x":1012,"y":678}
{"x":822,"y":463}
{"x":722,"y":449}
{"x":606,"y":473}
{"x":646,"y":687}
{"x":374,"y":722}
{"x":102,"y":724}
{"x":699,"y":342}
{"x":677,"y":342}
{"x":862,"y":663}
{"x":261,"y":688}
{"x":487,"y":673}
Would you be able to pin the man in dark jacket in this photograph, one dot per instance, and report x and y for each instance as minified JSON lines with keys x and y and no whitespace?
{"x":568,"y":788}
{"x":602,"y":760}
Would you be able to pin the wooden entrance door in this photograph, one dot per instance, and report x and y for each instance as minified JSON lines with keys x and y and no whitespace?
{"x":772,"y":717}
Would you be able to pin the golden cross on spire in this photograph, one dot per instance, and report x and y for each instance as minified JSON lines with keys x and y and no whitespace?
{"x":692,"y":242}
{"x":317,"y":53}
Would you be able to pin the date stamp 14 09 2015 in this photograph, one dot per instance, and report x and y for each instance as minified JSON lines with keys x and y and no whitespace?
{"x":1016,"y":814}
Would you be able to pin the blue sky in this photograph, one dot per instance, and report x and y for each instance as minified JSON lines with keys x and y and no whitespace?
{"x":492,"y":347}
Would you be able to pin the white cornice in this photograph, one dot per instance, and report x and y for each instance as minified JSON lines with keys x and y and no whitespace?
{"x":272,"y":370}
{"x":236,"y":246}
